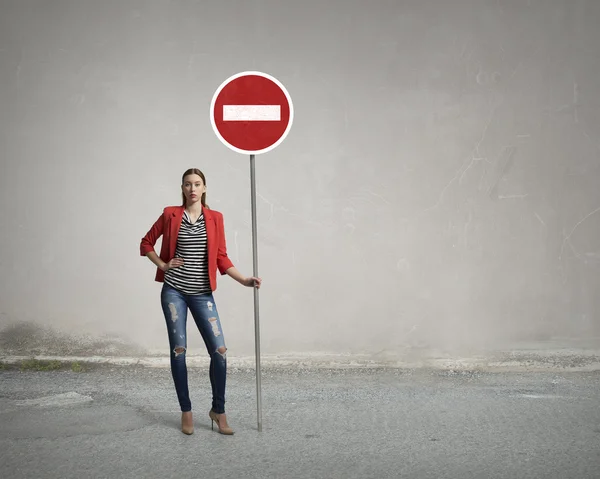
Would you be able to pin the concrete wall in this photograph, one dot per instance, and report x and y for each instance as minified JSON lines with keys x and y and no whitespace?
{"x":439,"y":187}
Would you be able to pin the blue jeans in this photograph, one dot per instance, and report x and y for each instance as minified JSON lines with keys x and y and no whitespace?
{"x":204,"y":311}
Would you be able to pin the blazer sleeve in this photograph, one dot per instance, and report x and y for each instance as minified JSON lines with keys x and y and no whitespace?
{"x":148,"y":241}
{"x":223,"y":261}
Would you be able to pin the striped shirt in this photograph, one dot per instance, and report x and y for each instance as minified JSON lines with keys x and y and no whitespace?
{"x":192,"y":277}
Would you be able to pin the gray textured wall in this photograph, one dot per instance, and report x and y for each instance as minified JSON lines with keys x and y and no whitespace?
{"x":439,"y":187}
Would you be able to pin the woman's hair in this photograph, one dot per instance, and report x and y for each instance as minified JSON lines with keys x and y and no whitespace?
{"x":194,"y":171}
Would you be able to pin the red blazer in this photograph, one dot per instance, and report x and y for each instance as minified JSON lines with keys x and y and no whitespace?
{"x":168,"y":225}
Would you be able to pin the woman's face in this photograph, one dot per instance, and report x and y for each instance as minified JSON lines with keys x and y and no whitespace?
{"x":193,"y":187}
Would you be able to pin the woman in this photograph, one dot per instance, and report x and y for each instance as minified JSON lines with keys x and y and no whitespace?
{"x":193,"y":248}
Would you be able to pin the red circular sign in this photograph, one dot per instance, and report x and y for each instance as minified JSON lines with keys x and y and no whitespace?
{"x":251,"y":112}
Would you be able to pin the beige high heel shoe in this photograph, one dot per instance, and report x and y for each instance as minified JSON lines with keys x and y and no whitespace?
{"x":187,"y":427}
{"x":223,"y":429}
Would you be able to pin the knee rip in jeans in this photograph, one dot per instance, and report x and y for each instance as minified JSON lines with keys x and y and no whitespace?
{"x":222,"y":351}
{"x":179,"y":350}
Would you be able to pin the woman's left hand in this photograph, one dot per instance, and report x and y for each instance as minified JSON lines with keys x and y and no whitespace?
{"x":252,"y":281}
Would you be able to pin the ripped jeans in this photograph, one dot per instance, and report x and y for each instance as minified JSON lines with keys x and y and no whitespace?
{"x":204,"y":311}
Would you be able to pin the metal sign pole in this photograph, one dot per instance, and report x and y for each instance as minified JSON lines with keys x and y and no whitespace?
{"x":255,"y":274}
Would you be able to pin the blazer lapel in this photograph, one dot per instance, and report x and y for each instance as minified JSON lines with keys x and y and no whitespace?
{"x":176,"y":218}
{"x":209,"y":222}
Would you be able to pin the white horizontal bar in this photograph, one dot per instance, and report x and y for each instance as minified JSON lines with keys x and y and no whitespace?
{"x":251,"y":112}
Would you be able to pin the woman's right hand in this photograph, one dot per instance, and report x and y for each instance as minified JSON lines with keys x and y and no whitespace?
{"x":174,"y":263}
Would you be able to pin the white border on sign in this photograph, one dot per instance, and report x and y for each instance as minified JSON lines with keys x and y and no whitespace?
{"x":214,"y":100}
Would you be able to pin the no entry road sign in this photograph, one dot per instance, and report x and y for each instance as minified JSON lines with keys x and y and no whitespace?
{"x":251,"y":112}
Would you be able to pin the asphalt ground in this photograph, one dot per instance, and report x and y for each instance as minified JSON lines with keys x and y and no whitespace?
{"x":108,"y":421}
